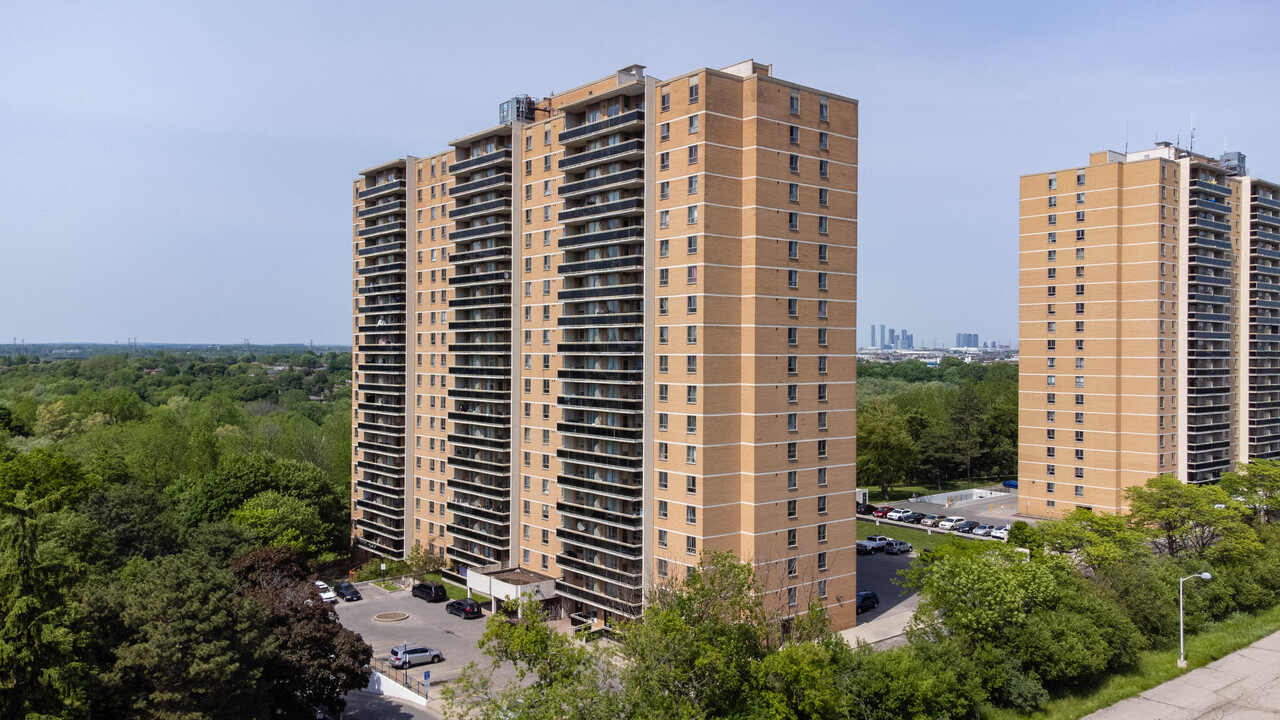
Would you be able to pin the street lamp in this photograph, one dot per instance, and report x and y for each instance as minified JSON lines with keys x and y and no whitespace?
{"x":1182,"y":643}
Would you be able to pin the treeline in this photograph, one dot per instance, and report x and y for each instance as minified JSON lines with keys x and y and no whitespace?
{"x":997,"y":627}
{"x":160,"y":521}
{"x":930,"y":427}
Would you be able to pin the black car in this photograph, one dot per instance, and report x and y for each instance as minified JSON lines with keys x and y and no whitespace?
{"x":465,"y":608}
{"x":430,"y":591}
{"x":867,"y":600}
{"x":865,"y":509}
{"x":914,"y":518}
{"x":966,"y":526}
{"x":348,"y":592}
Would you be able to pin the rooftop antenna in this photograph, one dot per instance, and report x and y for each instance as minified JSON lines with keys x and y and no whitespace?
{"x":1191,"y":147}
{"x":1126,"y":137}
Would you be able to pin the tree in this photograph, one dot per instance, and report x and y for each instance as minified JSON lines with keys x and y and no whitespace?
{"x":423,"y":561}
{"x":1186,"y":520}
{"x":178,"y":640}
{"x":317,"y":660}
{"x":967,"y":427}
{"x":1257,"y":484}
{"x":280,"y":520}
{"x":45,"y":473}
{"x":1093,"y":540}
{"x":886,"y":453}
{"x":41,"y":671}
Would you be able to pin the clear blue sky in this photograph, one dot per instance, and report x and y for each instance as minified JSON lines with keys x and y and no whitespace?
{"x":181,"y":172}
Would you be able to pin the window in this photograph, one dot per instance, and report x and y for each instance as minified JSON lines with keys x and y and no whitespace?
{"x":791,"y":422}
{"x":822,"y":392}
{"x":1080,"y":289}
{"x":1053,"y":219}
{"x":793,"y":250}
{"x":1080,"y":488}
{"x":664,"y":190}
{"x":693,"y":244}
{"x":692,"y":215}
{"x":664,"y":219}
{"x":823,"y":114}
{"x":693,"y":154}
{"x":691,"y":515}
{"x":822,"y":337}
{"x":1080,"y":198}
{"x":794,"y":163}
{"x":693,"y":184}
{"x":822,"y":252}
{"x":793,"y":307}
{"x":792,"y":570}
{"x":662,"y":539}
{"x":1079,"y":236}
{"x":528,"y":167}
{"x":662,"y":392}
{"x":662,"y":508}
{"x":822,"y":140}
{"x":822,"y":504}
{"x":691,"y":335}
{"x":793,"y":192}
{"x":1053,"y":238}
{"x":690,"y":484}
{"x":1079,"y":178}
{"x":691,"y":394}
{"x":793,"y":221}
{"x":791,"y":365}
{"x":1053,"y":201}
{"x":693,"y":90}
{"x":795,"y":102}
{"x":822,"y":364}
{"x":822,"y":532}
{"x":795,"y":135}
{"x":664,"y":248}
{"x":664,"y":131}
{"x":822,"y":197}
{"x":664,"y":161}
{"x":662,"y":422}
{"x":662,"y":306}
{"x":662,"y":478}
{"x":693,"y":124}
{"x":546,"y":164}
{"x":1050,"y":487}
{"x":791,"y":451}
{"x":1079,"y":418}
{"x":691,"y":424}
{"x":662,"y":567}
{"x":793,"y":336}
{"x":791,"y":509}
{"x":691,"y":545}
{"x":663,"y":335}
{"x":792,"y":393}
{"x":665,"y":101}
{"x":793,"y":278}
{"x":822,"y":420}
{"x":822,"y":225}
{"x":664,"y":276}
{"x":1079,"y":216}
{"x":822,"y":169}
{"x":691,"y":455}
{"x":822,"y":309}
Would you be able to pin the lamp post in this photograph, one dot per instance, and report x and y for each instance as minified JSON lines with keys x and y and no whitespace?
{"x":1182,"y":643}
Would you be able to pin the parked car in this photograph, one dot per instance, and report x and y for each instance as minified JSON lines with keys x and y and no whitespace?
{"x":881,"y":511}
{"x":1000,"y":532}
{"x":897,"y":547}
{"x":930,"y":520}
{"x":866,"y":600}
{"x":430,"y":591}
{"x":403,"y":656}
{"x":1011,"y":484}
{"x":466,"y":608}
{"x":914,"y":518}
{"x":865,"y":509}
{"x":984,"y":530}
{"x":348,"y":591}
{"x":872,"y":545}
{"x":326,"y":594}
{"x":897,"y":514}
{"x":966,"y":527}
{"x":949,"y":522}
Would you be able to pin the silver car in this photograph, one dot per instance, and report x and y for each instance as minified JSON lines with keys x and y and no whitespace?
{"x":984,"y":530}
{"x":403,"y":656}
{"x":897,"y":547}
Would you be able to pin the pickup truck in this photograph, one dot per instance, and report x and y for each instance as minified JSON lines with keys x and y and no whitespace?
{"x":872,"y":545}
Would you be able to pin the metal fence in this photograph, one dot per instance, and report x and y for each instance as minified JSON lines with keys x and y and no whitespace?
{"x":409,"y":678}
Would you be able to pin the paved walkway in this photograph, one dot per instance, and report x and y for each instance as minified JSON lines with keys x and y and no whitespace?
{"x":886,"y":630}
{"x":1244,"y":685}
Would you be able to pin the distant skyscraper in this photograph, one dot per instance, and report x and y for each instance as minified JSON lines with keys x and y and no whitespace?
{"x":1151,"y":281}
{"x":873,"y":336}
{"x":967,"y":340}
{"x":884,"y":339}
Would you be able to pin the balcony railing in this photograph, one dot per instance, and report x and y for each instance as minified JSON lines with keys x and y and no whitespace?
{"x":633,"y":118}
{"x":629,"y":149}
{"x":384,"y":188}
{"x":470,"y":164}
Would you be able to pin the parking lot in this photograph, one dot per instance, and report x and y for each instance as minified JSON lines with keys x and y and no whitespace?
{"x":877,"y":573}
{"x":428,"y":624}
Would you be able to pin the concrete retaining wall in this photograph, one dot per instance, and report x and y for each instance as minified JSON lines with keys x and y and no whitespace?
{"x":380,"y":684}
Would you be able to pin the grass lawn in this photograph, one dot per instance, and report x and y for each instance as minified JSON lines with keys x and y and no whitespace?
{"x":455,"y":592}
{"x":1157,"y":666}
{"x":387,"y":585}
{"x":919,"y":539}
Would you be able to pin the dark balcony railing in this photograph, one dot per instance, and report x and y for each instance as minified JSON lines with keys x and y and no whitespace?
{"x":381,"y":268}
{"x":593,"y":458}
{"x":488,"y":207}
{"x":475,"y":186}
{"x":382,"y":229}
{"x":1267,"y":202}
{"x":461,"y":258}
{"x":503,"y":155}
{"x":1215,"y":188}
{"x":629,"y":148}
{"x":381,"y":248}
{"x":381,"y":209}
{"x":600,"y":431}
{"x":385,"y":187}
{"x":603,"y":319}
{"x":498,"y":229}
{"x":599,"y":543}
{"x":605,"y":236}
{"x":497,"y":299}
{"x":602,"y":348}
{"x":618,"y":178}
{"x":621,"y":607}
{"x":609,"y":208}
{"x":630,"y":118}
{"x":600,"y":486}
{"x":628,"y":290}
{"x":607,"y":265}
{"x":496,"y":276}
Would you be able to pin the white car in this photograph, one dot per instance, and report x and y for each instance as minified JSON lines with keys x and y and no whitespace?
{"x":326,"y":593}
{"x":1000,"y":532}
{"x":950,"y":522}
{"x":897,"y":514}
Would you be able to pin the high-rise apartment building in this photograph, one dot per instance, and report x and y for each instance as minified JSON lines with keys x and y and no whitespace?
{"x":615,"y":331}
{"x":1149,"y":313}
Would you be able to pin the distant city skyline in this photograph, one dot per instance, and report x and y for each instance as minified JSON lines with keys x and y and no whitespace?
{"x":178,"y":173}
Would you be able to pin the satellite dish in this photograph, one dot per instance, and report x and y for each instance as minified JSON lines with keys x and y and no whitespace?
{"x":581,"y":527}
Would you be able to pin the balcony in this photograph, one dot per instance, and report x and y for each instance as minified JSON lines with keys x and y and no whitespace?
{"x":600,"y":572}
{"x":631,"y":120}
{"x":495,"y":300}
{"x":381,"y":288}
{"x":479,"y":512}
{"x":497,"y":542}
{"x":470,"y":256}
{"x":502,"y":156}
{"x":461,"y":190}
{"x":497,"y":276}
{"x":1210,"y":224}
{"x":480,"y":442}
{"x":1209,"y":205}
{"x":601,"y":348}
{"x":383,"y":189}
{"x":383,"y":229}
{"x":603,"y":237}
{"x":600,"y":459}
{"x":601,"y":403}
{"x":481,"y":371}
{"x":489,"y":207}
{"x":498,"y":229}
{"x":1213,"y":188}
{"x":596,"y":542}
{"x":1267,"y":219}
{"x":627,"y":262}
{"x":1267,"y":202}
{"x":607,"y":432}
{"x":621,"y":607}
{"x":382,"y":308}
{"x":380,"y":268}
{"x":625,"y":179}
{"x":601,"y":320}
{"x":601,"y":487}
{"x":381,"y":248}
{"x":380,"y":408}
{"x":630,"y":150}
{"x":622,"y":376}
{"x":381,"y":209}
{"x":629,"y":206}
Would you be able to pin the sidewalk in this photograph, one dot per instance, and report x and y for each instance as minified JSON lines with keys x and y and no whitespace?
{"x":883,"y":632}
{"x":1244,"y":685}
